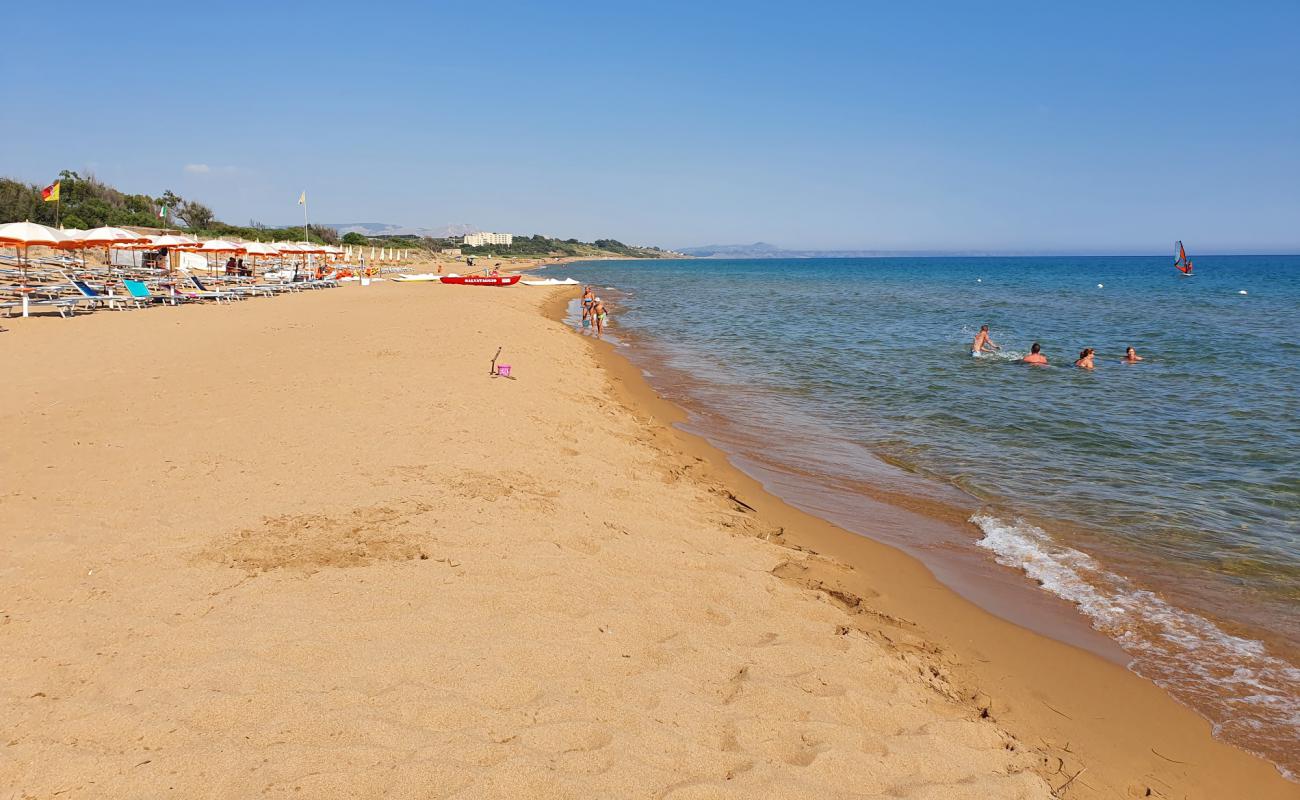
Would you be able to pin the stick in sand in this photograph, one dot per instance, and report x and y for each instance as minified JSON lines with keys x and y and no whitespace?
{"x":493,"y":370}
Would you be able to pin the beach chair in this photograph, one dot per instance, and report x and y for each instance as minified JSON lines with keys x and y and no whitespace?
{"x":97,"y":298}
{"x":238,"y":286}
{"x":140,"y":292}
{"x":204,"y":293}
{"x":66,"y":306}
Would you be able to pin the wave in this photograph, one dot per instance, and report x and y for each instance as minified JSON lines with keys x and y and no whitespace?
{"x":1251,"y":697}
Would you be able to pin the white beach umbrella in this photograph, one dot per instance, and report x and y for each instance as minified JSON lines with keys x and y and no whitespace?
{"x":171,"y":240}
{"x":218,"y":246}
{"x":259,"y":249}
{"x":110,"y":236}
{"x":26,"y":234}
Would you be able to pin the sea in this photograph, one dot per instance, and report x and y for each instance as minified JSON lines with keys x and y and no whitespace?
{"x":1160,"y":499}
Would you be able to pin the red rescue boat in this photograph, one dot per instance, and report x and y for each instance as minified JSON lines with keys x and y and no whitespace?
{"x":482,"y":280}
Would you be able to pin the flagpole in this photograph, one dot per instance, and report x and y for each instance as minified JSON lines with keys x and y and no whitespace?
{"x":306,"y":237}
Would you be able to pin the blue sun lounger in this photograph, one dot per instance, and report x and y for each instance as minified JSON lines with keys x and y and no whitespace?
{"x":140,"y":292}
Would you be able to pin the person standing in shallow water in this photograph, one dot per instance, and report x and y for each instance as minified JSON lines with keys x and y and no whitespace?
{"x":1035,"y":355}
{"x":588,"y":299}
{"x":983,"y":342}
{"x":599,"y":317}
{"x":1085,"y":358}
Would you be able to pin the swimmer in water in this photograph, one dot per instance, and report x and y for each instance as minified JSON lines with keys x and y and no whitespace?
{"x":1035,"y":355}
{"x":1131,"y":356}
{"x":1085,"y":358}
{"x":983,"y":342}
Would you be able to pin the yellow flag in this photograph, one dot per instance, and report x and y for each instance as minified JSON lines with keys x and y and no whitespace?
{"x":302,"y":199}
{"x":50,"y":194}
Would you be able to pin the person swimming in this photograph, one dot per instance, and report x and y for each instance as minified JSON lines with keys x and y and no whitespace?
{"x":982,"y":341}
{"x":1035,"y":355}
{"x":1085,"y":358}
{"x":1131,"y":356}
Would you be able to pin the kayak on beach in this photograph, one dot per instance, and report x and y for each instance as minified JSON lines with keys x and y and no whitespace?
{"x":481,"y":280}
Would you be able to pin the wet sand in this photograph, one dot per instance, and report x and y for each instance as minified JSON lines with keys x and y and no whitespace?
{"x":306,"y":546}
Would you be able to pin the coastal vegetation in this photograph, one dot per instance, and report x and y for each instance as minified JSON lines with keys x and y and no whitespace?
{"x":87,"y":202}
{"x":538,"y":246}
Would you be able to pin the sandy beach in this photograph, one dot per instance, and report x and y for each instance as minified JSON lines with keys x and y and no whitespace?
{"x":307,"y":546}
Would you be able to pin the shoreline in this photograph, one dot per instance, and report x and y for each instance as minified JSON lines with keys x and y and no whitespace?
{"x":348,"y":562}
{"x":1089,"y":712}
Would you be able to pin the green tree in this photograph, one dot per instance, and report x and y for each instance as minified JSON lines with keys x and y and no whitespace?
{"x":354,"y":238}
{"x":172,"y":201}
{"x":196,"y":216}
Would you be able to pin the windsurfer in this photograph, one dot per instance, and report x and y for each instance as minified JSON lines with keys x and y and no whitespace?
{"x":983,"y":342}
{"x":1131,"y":356}
{"x":1035,"y":355}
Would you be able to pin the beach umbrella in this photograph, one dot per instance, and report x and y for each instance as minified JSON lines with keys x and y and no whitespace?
{"x":26,"y":234}
{"x":258,"y":249}
{"x":255,"y":249}
{"x":171,"y":240}
{"x":108,"y":237}
{"x":22,"y":235}
{"x":111,"y":236}
{"x":218,"y":246}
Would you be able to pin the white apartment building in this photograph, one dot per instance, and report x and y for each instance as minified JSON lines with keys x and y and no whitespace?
{"x":483,"y":237}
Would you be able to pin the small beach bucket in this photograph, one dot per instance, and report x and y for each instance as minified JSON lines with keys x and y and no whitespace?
{"x":503,"y":370}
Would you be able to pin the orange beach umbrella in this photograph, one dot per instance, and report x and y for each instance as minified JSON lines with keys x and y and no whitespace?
{"x":22,"y":235}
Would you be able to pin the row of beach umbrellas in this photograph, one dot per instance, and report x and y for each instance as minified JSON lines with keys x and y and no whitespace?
{"x":30,"y":234}
{"x":23,"y":235}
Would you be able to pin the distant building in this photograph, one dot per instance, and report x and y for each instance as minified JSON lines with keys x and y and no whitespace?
{"x":483,"y":237}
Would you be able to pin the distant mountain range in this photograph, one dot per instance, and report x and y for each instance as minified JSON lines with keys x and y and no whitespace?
{"x":389,"y":229}
{"x":765,"y":250}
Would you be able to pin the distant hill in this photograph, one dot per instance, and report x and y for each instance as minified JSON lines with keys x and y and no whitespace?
{"x":765,"y":250}
{"x":755,"y":250}
{"x":389,"y":229}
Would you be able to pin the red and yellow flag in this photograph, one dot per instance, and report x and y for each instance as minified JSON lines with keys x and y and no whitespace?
{"x":50,"y":194}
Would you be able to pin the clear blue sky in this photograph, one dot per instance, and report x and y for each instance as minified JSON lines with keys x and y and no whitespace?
{"x":1084,"y":127}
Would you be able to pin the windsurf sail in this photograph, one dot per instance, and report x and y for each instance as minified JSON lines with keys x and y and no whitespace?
{"x":1181,"y":262}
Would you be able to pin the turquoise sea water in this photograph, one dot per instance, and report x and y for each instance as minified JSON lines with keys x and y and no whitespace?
{"x":1161,"y":498}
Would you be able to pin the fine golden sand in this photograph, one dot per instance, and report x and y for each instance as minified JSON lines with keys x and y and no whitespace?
{"x":307,"y":547}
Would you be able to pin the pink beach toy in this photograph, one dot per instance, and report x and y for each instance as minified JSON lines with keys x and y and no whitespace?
{"x":503,"y":370}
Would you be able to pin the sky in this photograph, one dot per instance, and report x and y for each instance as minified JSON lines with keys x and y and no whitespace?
{"x":1018,"y":126}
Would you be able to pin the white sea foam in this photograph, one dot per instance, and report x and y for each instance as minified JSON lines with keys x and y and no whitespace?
{"x":1241,"y":687}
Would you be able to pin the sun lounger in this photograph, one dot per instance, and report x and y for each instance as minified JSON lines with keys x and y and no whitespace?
{"x":98,"y":298}
{"x":140,"y":291}
{"x":203,"y":293}
{"x":66,"y":306}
